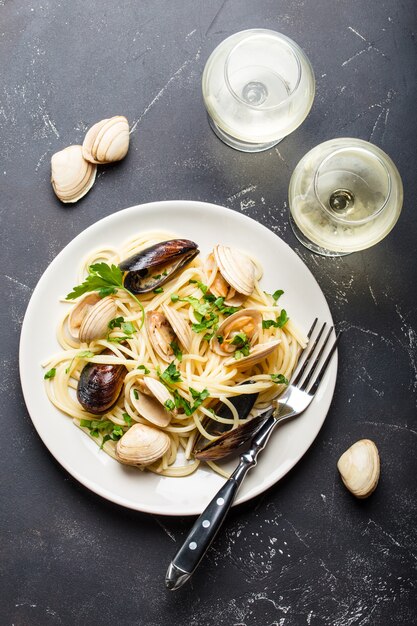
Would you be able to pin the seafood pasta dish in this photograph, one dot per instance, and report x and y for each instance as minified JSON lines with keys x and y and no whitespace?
{"x":164,"y":350}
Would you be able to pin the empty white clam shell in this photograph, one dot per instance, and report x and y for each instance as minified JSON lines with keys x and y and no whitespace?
{"x":142,"y":445}
{"x":359,"y":468}
{"x":107,"y":141}
{"x":71,"y":175}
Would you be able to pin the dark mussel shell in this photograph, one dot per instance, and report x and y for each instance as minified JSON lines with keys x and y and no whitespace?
{"x":100,"y":385}
{"x":232,"y":441}
{"x":222,"y":446}
{"x":154,"y":266}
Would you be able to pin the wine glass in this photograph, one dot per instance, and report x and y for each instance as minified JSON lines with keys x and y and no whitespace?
{"x":258,"y":86}
{"x":345,"y":195}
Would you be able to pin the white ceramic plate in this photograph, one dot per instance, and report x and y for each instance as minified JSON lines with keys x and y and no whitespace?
{"x":207,"y":224}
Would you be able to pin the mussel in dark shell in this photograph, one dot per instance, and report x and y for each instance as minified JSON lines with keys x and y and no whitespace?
{"x":231,"y":441}
{"x":100,"y":385}
{"x":227,"y":442}
{"x":154,"y":266}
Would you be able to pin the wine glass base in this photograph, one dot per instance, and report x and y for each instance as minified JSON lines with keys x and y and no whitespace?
{"x":307,"y":243}
{"x":242,"y":146}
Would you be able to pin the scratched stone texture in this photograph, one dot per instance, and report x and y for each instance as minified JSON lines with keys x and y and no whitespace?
{"x":305,"y":552}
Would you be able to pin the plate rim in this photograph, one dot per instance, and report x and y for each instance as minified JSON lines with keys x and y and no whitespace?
{"x":96,"y":488}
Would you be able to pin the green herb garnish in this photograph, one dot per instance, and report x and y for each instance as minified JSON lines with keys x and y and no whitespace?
{"x":183,"y":403}
{"x":158,"y":290}
{"x":277,"y":294}
{"x":50,"y":373}
{"x":127,"y":418}
{"x":280,"y":379}
{"x":170,"y":376}
{"x":106,"y":279}
{"x":169,"y":405}
{"x":281,"y":320}
{"x":145,"y":369}
{"x":176,"y":350}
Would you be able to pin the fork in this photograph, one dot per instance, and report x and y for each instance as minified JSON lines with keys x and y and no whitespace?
{"x":296,"y":398}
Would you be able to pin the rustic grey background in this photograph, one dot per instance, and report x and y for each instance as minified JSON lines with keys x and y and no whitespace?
{"x":305,"y":552}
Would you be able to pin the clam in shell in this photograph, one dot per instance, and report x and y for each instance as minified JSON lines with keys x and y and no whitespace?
{"x":165,"y":329}
{"x":142,"y":445}
{"x":90,"y":317}
{"x":71,"y":175}
{"x":245,"y":321}
{"x":359,"y":468}
{"x":107,"y":141}
{"x":149,"y":396}
{"x":230,"y":274}
{"x":257,"y":354}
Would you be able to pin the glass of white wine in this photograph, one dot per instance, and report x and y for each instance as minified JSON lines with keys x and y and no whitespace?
{"x":345,"y":195}
{"x":258,"y":87}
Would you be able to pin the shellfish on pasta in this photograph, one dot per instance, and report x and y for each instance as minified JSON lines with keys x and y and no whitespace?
{"x":230,"y":274}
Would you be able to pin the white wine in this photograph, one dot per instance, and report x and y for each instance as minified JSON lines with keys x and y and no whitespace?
{"x":258,"y":86}
{"x":345,"y":195}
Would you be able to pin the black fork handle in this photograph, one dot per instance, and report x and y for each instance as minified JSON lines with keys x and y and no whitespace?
{"x":208,"y":524}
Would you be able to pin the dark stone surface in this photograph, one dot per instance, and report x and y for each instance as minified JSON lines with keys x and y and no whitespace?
{"x":305,"y":552}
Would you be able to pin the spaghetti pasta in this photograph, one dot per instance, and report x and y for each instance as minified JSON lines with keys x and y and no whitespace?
{"x":201,"y":377}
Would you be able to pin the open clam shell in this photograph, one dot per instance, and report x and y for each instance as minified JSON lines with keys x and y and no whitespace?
{"x":142,"y":445}
{"x":246,"y":321}
{"x":359,"y":468}
{"x":179,"y":326}
{"x":149,"y":397}
{"x":71,"y":175}
{"x":161,"y":334}
{"x":90,"y":317}
{"x":257,"y":354}
{"x":107,"y":141}
{"x":157,"y":264}
{"x":230,"y":274}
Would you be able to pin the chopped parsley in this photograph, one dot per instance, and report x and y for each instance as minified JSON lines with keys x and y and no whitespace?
{"x":170,"y":376}
{"x":241,"y":341}
{"x":97,"y":427}
{"x":106,"y":280}
{"x":127,"y":418}
{"x":50,"y":373}
{"x":280,"y":379}
{"x":176,"y":350}
{"x":169,"y":405}
{"x":158,"y":290}
{"x":281,"y":320}
{"x":183,"y":403}
{"x":145,"y":369}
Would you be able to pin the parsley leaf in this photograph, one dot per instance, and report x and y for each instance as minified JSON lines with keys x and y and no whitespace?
{"x":158,"y":290}
{"x":127,"y":418}
{"x":106,"y":279}
{"x":176,"y":350}
{"x":170,"y":375}
{"x":50,"y":373}
{"x":169,"y":405}
{"x":277,"y":294}
{"x":280,"y":379}
{"x":281,"y":320}
{"x":183,"y":403}
{"x":145,"y":369}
